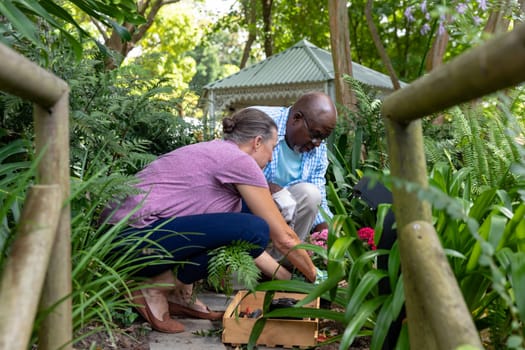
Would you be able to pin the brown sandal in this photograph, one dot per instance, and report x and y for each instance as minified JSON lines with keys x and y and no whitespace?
{"x":180,"y":310}
{"x":166,"y":325}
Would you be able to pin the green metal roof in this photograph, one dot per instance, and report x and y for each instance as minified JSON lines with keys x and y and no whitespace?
{"x":301,"y":63}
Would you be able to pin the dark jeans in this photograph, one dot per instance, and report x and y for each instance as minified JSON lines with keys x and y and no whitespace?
{"x":188,"y":239}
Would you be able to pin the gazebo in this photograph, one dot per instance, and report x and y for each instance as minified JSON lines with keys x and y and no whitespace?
{"x":280,"y":79}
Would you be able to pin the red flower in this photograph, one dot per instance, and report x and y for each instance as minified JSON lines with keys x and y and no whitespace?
{"x":367,"y":234}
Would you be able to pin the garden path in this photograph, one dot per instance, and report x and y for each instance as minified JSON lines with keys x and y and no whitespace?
{"x":194,"y":338}
{"x":202,"y":334}
{"x":199,"y":334}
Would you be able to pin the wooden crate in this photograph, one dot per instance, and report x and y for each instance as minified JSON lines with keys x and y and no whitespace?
{"x":277,"y":332}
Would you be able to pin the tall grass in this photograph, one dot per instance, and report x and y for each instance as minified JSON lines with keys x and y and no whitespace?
{"x":17,"y":173}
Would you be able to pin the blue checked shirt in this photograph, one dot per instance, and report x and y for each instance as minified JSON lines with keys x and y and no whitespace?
{"x":313,"y":163}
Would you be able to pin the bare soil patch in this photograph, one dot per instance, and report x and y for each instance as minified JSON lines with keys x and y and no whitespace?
{"x":135,"y":337}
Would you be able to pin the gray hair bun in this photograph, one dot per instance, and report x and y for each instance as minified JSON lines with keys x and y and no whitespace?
{"x":228,"y":125}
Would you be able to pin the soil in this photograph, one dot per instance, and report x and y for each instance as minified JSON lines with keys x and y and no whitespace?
{"x":135,"y":337}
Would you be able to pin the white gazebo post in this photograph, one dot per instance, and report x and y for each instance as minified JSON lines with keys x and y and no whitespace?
{"x":211,"y":115}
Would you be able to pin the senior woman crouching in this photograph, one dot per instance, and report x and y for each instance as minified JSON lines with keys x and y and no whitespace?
{"x":199,"y":189}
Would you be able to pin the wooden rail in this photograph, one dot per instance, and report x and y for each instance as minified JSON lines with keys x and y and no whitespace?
{"x":43,"y":242}
{"x":496,"y":65}
{"x":438,"y":317}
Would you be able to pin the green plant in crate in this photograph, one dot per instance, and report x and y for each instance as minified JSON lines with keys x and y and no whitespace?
{"x":366,"y":312}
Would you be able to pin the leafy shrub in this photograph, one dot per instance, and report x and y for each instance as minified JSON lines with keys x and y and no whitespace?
{"x":481,"y":137}
{"x":123,"y":117}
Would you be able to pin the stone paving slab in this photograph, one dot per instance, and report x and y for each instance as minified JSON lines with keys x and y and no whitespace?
{"x":188,"y":340}
{"x":193,"y":338}
{"x":215,"y":301}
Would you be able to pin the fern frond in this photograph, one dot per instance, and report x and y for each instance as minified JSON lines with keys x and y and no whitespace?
{"x":483,"y":144}
{"x":498,"y":320}
{"x":235,"y":258}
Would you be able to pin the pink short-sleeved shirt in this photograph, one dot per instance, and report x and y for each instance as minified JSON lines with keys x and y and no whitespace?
{"x":194,"y":179}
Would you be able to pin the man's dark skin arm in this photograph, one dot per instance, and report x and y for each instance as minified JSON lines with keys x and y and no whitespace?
{"x":274,"y":188}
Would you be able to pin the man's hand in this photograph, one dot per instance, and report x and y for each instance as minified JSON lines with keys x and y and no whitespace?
{"x":274,"y":188}
{"x":286,"y":204}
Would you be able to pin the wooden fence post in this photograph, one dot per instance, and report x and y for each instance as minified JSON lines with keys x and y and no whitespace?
{"x":26,"y":264}
{"x":407,"y":161}
{"x":52,"y":137}
{"x":50,"y":96}
{"x":441,"y":307}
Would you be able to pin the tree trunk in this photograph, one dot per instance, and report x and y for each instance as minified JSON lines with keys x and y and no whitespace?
{"x":250,"y":13}
{"x":341,"y":55}
{"x":522,"y":10}
{"x":439,"y":47}
{"x":498,"y":22}
{"x":267,"y":28}
{"x":119,"y":47}
{"x":149,"y":10}
{"x":379,"y":45}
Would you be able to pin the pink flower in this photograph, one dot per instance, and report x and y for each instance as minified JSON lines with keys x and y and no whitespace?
{"x":367,"y":234}
{"x":319,"y":238}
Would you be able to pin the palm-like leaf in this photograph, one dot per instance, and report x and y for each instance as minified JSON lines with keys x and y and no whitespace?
{"x":22,"y":15}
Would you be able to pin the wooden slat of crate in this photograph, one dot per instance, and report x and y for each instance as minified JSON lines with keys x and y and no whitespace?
{"x":277,"y":332}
